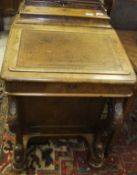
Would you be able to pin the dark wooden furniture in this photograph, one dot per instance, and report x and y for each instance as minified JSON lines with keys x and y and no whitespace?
{"x":8,"y":8}
{"x":63,"y":68}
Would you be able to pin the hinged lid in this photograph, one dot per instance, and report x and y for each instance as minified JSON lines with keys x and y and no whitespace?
{"x":59,"y":53}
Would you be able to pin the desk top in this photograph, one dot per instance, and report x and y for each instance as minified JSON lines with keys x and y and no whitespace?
{"x":59,"y":53}
{"x":80,"y":55}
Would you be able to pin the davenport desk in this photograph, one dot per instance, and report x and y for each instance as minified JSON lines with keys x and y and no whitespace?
{"x":63,"y":67}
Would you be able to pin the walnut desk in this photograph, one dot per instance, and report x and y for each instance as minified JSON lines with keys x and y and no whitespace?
{"x":60,"y":74}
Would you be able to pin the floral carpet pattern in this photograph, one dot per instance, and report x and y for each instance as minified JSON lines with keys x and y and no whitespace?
{"x":68,"y":156}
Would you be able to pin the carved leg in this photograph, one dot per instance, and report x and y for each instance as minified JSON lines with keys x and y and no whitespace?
{"x":104,"y":138}
{"x":19,"y":159}
{"x":98,"y":144}
{"x":116,"y":122}
{"x":14,"y":125}
{"x":97,"y":154}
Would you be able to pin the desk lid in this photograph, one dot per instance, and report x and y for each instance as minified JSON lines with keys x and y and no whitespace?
{"x":59,"y":53}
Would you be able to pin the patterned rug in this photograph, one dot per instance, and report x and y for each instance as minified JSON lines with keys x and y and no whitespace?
{"x":68,"y":156}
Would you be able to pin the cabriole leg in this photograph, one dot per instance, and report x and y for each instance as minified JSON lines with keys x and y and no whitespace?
{"x":105,"y":137}
{"x":116,"y":122}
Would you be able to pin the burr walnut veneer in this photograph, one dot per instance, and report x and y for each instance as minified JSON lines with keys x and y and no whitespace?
{"x":66,"y":72}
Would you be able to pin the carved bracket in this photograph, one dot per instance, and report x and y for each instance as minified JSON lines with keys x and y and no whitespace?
{"x":12,"y":114}
{"x":118,"y":113}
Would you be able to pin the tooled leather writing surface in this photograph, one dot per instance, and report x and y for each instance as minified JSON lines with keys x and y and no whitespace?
{"x":68,"y":52}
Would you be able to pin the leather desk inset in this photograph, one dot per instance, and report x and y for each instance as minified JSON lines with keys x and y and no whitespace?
{"x":62,"y":66}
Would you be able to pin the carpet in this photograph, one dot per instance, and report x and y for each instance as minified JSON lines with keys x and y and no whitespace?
{"x":68,"y":156}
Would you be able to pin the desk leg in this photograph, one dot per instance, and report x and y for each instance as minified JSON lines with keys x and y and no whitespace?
{"x":118,"y":118}
{"x":97,"y":151}
{"x":14,"y":125}
{"x":104,"y":138}
{"x":116,"y":123}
